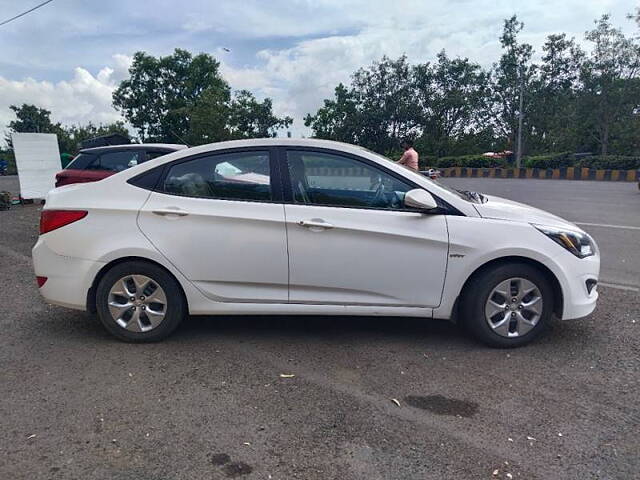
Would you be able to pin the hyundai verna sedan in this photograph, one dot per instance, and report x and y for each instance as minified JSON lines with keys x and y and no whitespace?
{"x":283,"y":226}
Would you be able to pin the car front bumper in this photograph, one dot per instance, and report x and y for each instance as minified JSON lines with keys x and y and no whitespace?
{"x":578,"y":301}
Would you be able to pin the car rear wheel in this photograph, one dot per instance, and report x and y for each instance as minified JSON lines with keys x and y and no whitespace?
{"x":508,"y":305}
{"x":139,"y":302}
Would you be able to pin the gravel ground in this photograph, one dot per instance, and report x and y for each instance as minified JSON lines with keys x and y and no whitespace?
{"x":210,"y":402}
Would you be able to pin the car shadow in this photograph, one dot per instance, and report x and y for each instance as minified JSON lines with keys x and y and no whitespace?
{"x":337,"y":330}
{"x":302,"y":328}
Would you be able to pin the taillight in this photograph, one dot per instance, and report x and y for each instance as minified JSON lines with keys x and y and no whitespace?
{"x":41,"y":281}
{"x":52,"y":219}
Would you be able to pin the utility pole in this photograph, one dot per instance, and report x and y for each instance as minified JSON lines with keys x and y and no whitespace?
{"x":520,"y":115}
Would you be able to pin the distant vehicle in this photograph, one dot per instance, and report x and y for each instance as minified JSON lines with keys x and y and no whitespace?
{"x":432,"y":173}
{"x":307,"y":227}
{"x":93,"y":164}
{"x":4,"y":167}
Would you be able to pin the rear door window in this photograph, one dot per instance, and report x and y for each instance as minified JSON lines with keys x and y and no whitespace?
{"x":230,"y":176}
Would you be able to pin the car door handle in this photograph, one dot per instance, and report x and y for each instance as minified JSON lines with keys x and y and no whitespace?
{"x":315,"y":223}
{"x":170,"y":211}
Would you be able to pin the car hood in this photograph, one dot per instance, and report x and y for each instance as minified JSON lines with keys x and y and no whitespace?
{"x":503,"y":209}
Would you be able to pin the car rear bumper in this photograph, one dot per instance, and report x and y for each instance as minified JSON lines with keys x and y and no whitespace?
{"x":68,"y":278}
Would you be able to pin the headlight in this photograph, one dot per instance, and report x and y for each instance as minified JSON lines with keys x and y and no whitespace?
{"x":578,"y":243}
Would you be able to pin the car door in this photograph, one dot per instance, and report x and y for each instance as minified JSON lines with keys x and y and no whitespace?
{"x":352,"y":241}
{"x":219,"y":219}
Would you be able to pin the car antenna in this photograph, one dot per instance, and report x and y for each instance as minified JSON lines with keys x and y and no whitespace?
{"x":180,"y":138}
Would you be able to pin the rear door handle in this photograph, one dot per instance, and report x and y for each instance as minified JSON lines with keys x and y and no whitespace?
{"x":170,"y":211}
{"x":315,"y":223}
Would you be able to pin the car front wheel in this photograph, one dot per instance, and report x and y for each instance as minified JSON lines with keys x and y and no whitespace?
{"x":139,"y":302}
{"x":508,"y":305}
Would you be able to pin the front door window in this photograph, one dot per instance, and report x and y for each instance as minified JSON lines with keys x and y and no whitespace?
{"x":327,"y":179}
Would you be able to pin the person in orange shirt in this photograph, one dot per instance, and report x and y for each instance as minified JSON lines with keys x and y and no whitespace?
{"x":410,"y":156}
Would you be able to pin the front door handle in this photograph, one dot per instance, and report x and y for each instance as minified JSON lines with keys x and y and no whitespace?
{"x":315,"y":223}
{"x":170,"y":211}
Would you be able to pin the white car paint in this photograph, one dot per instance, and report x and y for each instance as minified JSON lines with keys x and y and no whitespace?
{"x":251,"y":257}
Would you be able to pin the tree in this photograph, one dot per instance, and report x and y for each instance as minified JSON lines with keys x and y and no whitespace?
{"x":338,"y":118}
{"x":384,"y":97}
{"x":510,"y":77}
{"x":552,"y":119}
{"x":376,"y":111}
{"x":183,"y":98}
{"x":249,"y":118}
{"x":611,"y":87}
{"x":31,"y":119}
{"x":158,"y":97}
{"x":449,"y":96}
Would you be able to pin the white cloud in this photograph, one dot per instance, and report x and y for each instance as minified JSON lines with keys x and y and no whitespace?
{"x":82,"y":99}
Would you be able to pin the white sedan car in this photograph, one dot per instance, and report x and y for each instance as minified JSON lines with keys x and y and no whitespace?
{"x":283,"y":226}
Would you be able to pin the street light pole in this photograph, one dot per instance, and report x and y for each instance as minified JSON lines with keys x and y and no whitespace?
{"x":519,"y":144}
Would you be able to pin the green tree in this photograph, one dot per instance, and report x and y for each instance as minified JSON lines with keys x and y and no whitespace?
{"x":610,"y":86}
{"x":249,"y":118}
{"x":183,"y":98}
{"x":449,"y":97}
{"x":338,"y":118}
{"x":376,"y":111}
{"x":160,"y":93}
{"x":552,"y":119}
{"x":511,"y":75}
{"x":31,"y":119}
{"x":383,"y":93}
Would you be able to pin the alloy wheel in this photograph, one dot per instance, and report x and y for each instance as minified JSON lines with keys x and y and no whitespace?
{"x":137,"y":303}
{"x":513,"y":307}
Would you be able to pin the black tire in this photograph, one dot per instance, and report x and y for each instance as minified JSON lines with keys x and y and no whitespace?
{"x":176,"y":305}
{"x":476,"y":295}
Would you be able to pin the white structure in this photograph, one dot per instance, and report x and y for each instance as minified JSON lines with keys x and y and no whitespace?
{"x":37,"y":161}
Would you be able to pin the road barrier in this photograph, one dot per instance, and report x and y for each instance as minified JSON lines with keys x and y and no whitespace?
{"x":568,"y":173}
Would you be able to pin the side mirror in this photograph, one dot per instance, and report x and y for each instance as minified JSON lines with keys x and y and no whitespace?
{"x":420,"y":199}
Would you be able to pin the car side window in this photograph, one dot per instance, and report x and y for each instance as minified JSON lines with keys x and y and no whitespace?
{"x":230,"y":176}
{"x":116,"y":161}
{"x":319,"y":178}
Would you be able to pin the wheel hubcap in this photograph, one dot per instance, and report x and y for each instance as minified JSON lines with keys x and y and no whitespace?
{"x":137,"y":303}
{"x":514,"y":307}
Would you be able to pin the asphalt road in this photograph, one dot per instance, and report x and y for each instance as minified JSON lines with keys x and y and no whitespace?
{"x":209,"y":403}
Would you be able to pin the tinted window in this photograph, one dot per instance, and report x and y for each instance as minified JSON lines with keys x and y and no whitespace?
{"x":232,"y":176}
{"x":117,"y":161}
{"x":328,"y":179}
{"x":81,"y":161}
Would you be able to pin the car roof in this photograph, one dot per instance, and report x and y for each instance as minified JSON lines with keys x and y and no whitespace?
{"x":169,"y":147}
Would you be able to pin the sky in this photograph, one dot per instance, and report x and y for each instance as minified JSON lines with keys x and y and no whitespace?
{"x":69,"y":55}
